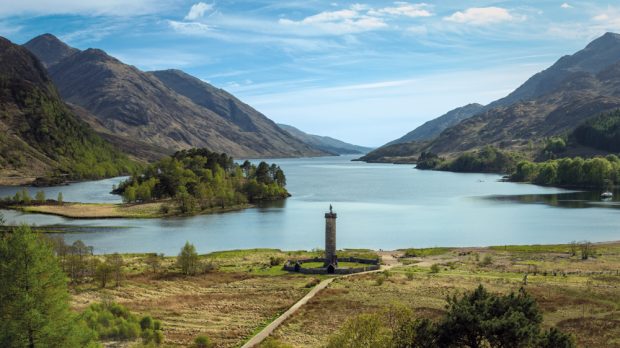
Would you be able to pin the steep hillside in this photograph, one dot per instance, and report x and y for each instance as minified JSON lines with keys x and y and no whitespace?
{"x":581,"y":96}
{"x":594,"y":58}
{"x":434,"y":127}
{"x":168,"y":109}
{"x":40,"y":135}
{"x":553,"y":102}
{"x":327,"y":144}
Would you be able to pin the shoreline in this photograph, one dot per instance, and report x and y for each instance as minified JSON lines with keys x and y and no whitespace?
{"x":86,"y":211}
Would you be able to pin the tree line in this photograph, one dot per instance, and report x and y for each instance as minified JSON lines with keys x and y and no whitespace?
{"x":200,"y":179}
{"x":597,"y":172}
{"x":24,"y":197}
{"x":488,"y":159}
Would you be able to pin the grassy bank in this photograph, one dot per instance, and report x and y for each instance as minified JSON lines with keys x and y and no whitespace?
{"x":110,"y":210}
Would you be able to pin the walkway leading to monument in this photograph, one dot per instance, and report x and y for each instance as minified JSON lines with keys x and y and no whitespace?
{"x":269,"y":329}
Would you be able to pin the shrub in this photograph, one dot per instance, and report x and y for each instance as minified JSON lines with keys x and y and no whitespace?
{"x":112,"y":321}
{"x":275,"y":260}
{"x":146,"y":323}
{"x":435,"y":268}
{"x":487,"y":260}
{"x":202,"y":342}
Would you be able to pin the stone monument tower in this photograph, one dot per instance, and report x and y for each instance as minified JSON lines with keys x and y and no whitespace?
{"x":331,"y":261}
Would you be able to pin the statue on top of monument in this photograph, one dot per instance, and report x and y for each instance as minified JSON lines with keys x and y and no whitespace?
{"x":330,"y":209}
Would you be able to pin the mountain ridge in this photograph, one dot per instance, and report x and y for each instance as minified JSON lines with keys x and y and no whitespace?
{"x":325,"y":143}
{"x":155,"y":108}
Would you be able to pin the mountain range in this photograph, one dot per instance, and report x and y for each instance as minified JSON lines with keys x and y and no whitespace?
{"x":324,"y":143}
{"x":553,"y":102}
{"x":41,"y":136}
{"x":168,"y":110}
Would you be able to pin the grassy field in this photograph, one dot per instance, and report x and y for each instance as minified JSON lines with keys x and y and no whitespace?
{"x":248,"y":289}
{"x":110,"y":210}
{"x":578,"y":296}
{"x":243,"y":294}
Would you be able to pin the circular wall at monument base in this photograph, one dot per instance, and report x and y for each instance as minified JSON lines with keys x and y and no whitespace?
{"x":297,"y":266}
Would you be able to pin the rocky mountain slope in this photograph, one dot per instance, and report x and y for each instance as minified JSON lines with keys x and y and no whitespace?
{"x":40,"y":136}
{"x":167,"y":109}
{"x":552,"y":102}
{"x":327,"y":144}
{"x":431,"y":129}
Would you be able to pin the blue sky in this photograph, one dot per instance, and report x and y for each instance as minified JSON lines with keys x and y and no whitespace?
{"x":366,"y":72}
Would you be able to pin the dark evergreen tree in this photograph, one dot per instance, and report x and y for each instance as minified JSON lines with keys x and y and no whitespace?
{"x":34,"y":301}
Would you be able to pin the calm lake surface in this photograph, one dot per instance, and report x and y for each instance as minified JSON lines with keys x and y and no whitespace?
{"x":379,"y":206}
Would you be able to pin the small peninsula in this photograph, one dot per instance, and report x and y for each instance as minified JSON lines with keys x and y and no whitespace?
{"x":190,"y":182}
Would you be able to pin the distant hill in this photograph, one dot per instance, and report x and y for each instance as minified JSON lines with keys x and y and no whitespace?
{"x":327,"y":144}
{"x":167,"y":109}
{"x":553,"y":102}
{"x":434,"y":127}
{"x":40,"y":135}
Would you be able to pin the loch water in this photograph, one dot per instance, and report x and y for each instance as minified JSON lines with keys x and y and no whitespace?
{"x":379,"y":206}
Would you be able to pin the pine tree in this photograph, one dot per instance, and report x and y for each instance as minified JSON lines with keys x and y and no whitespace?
{"x":34,"y":301}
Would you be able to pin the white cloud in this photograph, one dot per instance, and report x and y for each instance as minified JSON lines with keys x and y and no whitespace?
{"x":121,"y":8}
{"x":403,"y":9}
{"x":338,"y":22}
{"x":189,"y":28}
{"x":481,"y":16}
{"x":609,"y":20}
{"x":198,"y":11}
{"x":566,"y":5}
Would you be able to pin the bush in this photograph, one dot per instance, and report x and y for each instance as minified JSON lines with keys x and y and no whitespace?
{"x":435,"y":268}
{"x":112,"y":321}
{"x":487,"y":260}
{"x":275,"y":260}
{"x":202,"y":342}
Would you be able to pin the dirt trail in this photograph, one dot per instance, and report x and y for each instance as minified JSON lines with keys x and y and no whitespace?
{"x":388,"y":260}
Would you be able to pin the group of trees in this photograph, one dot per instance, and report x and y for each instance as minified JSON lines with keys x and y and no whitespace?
{"x":80,"y":265}
{"x":477,"y":319}
{"x":24,"y":197}
{"x":200,"y":179}
{"x":600,"y":132}
{"x":489,"y":159}
{"x":34,"y":298}
{"x":597,"y":172}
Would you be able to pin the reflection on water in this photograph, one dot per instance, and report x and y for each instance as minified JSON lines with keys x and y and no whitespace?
{"x":581,"y":199}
